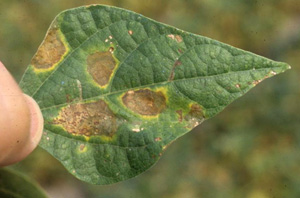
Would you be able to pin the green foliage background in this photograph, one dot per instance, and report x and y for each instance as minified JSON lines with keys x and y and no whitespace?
{"x":249,"y":150}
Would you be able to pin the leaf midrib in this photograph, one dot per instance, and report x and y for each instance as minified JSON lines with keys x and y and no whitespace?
{"x":153,"y":84}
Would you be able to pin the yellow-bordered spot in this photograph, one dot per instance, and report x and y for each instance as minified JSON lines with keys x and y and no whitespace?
{"x":82,"y":148}
{"x":88,"y":119}
{"x":195,"y":116}
{"x":101,"y":65}
{"x":145,"y":102}
{"x":51,"y":52}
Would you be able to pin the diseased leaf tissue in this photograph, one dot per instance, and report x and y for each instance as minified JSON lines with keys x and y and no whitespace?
{"x":116,"y":88}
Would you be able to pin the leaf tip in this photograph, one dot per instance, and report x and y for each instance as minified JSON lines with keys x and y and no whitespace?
{"x":284,"y":66}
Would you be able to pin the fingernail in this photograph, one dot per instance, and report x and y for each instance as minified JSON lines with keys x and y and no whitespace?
{"x":37,"y":121}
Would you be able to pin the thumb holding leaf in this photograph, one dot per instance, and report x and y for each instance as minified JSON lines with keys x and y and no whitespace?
{"x":21,"y":121}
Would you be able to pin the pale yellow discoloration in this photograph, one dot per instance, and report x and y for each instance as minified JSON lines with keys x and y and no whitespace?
{"x":163,"y":90}
{"x":108,"y":138}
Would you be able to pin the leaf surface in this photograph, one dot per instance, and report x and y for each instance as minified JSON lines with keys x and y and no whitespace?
{"x":15,"y":185}
{"x":116,"y":88}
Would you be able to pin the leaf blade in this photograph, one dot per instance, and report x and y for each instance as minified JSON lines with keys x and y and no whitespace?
{"x":13,"y":184}
{"x":120,"y":87}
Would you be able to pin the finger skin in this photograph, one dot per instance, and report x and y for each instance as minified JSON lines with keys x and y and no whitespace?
{"x":20,"y":121}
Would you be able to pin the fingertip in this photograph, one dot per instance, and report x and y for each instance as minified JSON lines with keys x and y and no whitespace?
{"x":34,"y":133}
{"x":3,"y":68}
{"x":21,"y":121}
{"x":14,"y":118}
{"x":36,"y":123}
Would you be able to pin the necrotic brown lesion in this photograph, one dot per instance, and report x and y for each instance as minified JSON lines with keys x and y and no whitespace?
{"x":101,"y":66}
{"x":145,"y":102}
{"x":50,"y":52}
{"x":195,"y":116}
{"x":88,"y":119}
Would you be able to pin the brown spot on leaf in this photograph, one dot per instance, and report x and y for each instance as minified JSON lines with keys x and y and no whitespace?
{"x":256,"y":82}
{"x":111,"y":50}
{"x":50,"y":52}
{"x":171,"y":36}
{"x":68,"y":98}
{"x":177,"y":63}
{"x":195,"y":116}
{"x":238,"y":86}
{"x":158,"y":139}
{"x":175,"y":37}
{"x":179,"y":112}
{"x":145,"y":102}
{"x":88,"y":119}
{"x":101,"y":66}
{"x":81,"y":147}
{"x":172,"y":74}
{"x":178,"y":38}
{"x":136,"y":129}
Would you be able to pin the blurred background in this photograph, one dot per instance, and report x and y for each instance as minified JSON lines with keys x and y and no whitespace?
{"x":251,"y":149}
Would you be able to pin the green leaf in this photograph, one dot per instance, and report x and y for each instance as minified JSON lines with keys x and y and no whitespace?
{"x":15,"y":185}
{"x":116,"y":88}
